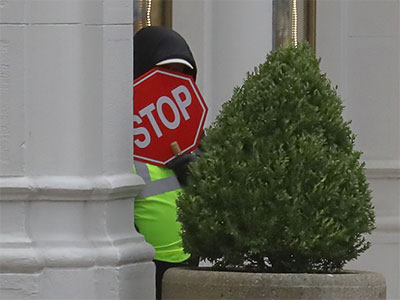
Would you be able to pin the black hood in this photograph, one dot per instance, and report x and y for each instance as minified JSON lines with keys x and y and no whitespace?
{"x":154,"y":44}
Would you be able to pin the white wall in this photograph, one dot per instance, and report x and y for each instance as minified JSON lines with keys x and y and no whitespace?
{"x":228,"y":39}
{"x":359,"y":43}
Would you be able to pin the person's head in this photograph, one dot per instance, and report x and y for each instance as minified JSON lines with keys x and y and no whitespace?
{"x":160,"y":46}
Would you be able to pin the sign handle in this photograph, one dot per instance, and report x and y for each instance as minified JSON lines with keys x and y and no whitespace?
{"x":175,"y":148}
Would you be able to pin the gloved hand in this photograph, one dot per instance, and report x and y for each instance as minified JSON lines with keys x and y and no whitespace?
{"x":180,"y":166}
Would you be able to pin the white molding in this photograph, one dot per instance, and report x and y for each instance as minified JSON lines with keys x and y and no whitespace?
{"x":32,"y":257}
{"x":70,"y":188}
{"x":388,"y":224}
{"x":61,"y":237}
{"x":382,"y":173}
{"x":382,"y":169}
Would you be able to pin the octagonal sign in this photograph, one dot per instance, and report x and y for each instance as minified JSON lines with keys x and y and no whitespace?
{"x":168,"y":107}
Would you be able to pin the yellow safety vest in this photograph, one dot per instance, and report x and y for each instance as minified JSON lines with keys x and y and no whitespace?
{"x":156,"y":214}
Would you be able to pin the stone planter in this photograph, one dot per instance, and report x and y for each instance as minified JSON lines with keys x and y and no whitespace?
{"x":185,"y":283}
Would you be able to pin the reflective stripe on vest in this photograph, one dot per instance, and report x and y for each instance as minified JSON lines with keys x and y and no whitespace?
{"x":155,"y":187}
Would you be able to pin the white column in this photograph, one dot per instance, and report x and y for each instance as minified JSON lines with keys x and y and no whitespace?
{"x":66,"y":182}
{"x":359,"y":43}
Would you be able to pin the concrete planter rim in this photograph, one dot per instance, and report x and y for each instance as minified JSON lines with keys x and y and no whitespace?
{"x":234,"y":270}
{"x":206,"y":283}
{"x":346,"y":274}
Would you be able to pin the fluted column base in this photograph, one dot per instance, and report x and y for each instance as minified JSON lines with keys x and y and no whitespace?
{"x":69,"y":237}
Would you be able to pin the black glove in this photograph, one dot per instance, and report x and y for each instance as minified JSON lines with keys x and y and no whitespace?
{"x":180,"y":166}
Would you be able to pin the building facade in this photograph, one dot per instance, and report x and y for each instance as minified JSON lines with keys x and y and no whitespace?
{"x":66,"y":186}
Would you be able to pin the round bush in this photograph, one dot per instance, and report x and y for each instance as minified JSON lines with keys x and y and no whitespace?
{"x":279,"y":187}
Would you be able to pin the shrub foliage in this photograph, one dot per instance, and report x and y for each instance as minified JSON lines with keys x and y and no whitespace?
{"x":279,"y":187}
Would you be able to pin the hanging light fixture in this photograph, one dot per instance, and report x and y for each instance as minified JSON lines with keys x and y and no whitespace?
{"x":148,"y":13}
{"x":152,"y":13}
{"x":293,"y":21}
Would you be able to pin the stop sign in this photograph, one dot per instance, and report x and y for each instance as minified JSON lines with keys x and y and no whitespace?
{"x":168,"y":107}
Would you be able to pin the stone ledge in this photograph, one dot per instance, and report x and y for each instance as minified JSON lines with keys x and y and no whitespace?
{"x":34,"y":257}
{"x":70,"y":188}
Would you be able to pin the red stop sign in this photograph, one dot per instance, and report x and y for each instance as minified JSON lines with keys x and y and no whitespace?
{"x":168,"y":107}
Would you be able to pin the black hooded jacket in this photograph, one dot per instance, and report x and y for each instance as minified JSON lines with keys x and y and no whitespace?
{"x":154,"y":44}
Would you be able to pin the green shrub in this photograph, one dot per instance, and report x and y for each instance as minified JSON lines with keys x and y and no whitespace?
{"x":279,"y":187}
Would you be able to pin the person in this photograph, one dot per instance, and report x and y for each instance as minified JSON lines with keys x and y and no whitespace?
{"x":155,"y":209}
